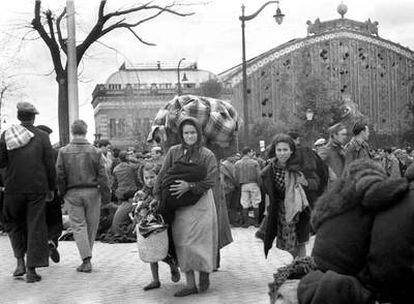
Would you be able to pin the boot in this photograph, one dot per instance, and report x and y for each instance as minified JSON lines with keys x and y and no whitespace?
{"x":245,"y":217}
{"x":20,"y":269}
{"x":32,"y":276}
{"x":256,"y":218}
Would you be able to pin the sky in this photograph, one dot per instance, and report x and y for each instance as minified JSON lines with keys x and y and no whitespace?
{"x":212,"y":37}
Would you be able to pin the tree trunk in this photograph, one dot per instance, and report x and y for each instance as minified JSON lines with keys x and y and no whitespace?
{"x":63,"y":111}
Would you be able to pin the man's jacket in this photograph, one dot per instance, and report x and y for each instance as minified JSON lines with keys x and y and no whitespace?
{"x":80,"y":165}
{"x":29,"y":168}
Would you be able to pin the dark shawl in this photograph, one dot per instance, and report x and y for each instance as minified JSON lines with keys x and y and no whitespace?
{"x":181,"y":170}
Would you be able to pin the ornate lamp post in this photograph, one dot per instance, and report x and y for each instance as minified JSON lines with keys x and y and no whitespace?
{"x":178,"y":77}
{"x":243,"y":18}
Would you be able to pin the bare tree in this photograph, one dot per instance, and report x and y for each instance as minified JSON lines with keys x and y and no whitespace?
{"x":49,"y":27}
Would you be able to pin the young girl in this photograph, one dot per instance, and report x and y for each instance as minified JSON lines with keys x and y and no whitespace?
{"x":145,"y":212}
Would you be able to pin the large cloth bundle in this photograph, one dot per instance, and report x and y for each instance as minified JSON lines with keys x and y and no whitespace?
{"x":217,"y":117}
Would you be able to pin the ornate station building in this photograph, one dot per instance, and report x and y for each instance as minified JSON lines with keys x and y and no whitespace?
{"x":349,"y":56}
{"x":125,"y":105}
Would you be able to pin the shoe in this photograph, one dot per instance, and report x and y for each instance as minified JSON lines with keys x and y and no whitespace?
{"x":152,"y":285}
{"x":54,"y":253}
{"x":32,"y":277}
{"x":186,"y":291}
{"x":20,"y":269}
{"x":259,"y":234}
{"x":85,"y":267}
{"x":175,"y":274}
{"x":204,"y":281}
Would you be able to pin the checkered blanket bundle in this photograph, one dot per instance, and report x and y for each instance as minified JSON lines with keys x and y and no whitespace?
{"x":217,"y":117}
{"x":17,"y":136}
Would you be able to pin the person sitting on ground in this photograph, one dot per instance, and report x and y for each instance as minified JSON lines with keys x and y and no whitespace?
{"x":125,"y":178}
{"x":144,"y":210}
{"x":123,"y":227}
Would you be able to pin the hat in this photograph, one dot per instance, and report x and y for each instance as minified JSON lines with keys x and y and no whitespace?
{"x":26,"y":107}
{"x":320,"y":142}
{"x":156,"y":149}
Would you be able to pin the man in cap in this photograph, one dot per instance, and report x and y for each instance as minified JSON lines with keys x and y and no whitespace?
{"x":333,"y":153}
{"x":318,"y":144}
{"x":27,"y":155}
{"x":358,"y":147}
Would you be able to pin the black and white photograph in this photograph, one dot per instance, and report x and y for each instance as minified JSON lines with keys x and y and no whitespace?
{"x":207,"y":151}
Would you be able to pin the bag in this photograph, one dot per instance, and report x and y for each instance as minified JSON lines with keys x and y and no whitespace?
{"x":153,"y":248}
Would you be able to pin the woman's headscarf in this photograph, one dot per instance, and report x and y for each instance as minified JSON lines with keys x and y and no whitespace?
{"x":194,"y":122}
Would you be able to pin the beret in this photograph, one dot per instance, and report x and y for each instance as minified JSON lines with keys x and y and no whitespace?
{"x":26,"y":107}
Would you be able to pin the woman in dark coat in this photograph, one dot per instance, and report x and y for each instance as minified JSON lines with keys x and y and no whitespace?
{"x":288,"y":211}
{"x":194,"y":227}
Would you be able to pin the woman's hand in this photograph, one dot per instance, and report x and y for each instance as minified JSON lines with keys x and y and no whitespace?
{"x":179,"y":188}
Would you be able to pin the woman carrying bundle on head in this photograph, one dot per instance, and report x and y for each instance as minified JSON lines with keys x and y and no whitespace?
{"x":194,"y":225}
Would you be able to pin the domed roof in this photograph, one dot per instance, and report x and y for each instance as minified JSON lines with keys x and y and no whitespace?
{"x":126,"y":75}
{"x":342,"y":9}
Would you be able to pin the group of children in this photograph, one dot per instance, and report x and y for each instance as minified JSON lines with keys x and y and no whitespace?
{"x":145,"y":215}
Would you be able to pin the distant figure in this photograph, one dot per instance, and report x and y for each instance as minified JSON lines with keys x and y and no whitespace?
{"x":27,"y":155}
{"x":82,"y":179}
{"x":125,"y":177}
{"x":247,"y":175}
{"x":391,"y":164}
{"x":333,"y":153}
{"x":358,"y":147}
{"x":318,"y":144}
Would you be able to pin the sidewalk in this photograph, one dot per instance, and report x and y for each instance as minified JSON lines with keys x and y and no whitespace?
{"x":119,"y":276}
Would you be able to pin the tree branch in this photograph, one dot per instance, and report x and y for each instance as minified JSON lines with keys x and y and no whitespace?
{"x":59,"y":31}
{"x":140,"y":39}
{"x":53,"y":48}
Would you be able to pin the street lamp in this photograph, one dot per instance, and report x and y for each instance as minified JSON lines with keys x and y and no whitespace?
{"x":243,"y":18}
{"x":178,"y":77}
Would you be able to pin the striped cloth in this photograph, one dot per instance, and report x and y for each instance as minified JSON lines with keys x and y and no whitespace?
{"x":17,"y":136}
{"x":218,"y":118}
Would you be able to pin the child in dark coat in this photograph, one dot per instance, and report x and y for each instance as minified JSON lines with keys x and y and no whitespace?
{"x":145,"y":212}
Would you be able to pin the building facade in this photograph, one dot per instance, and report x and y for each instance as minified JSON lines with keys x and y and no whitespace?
{"x":349,"y":56}
{"x":125,"y":105}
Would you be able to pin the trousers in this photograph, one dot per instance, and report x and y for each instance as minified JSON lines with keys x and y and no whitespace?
{"x":84,"y":208}
{"x":25,"y":219}
{"x":54,"y":219}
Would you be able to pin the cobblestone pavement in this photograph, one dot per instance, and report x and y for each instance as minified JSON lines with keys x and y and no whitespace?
{"x":119,"y":276}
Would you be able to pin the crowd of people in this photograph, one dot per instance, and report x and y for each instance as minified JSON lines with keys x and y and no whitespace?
{"x":289,"y":193}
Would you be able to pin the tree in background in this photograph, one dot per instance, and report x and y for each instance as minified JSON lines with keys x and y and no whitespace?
{"x":265,"y":129}
{"x":49,"y":27}
{"x":10,"y":86}
{"x":313,"y":94}
{"x":211,"y":88}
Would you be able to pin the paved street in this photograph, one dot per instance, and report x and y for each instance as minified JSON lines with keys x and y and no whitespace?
{"x":119,"y":276}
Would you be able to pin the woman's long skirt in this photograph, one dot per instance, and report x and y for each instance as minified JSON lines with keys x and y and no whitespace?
{"x":195,"y":235}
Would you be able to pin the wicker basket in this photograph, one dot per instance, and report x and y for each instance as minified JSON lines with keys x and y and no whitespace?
{"x":153,"y":248}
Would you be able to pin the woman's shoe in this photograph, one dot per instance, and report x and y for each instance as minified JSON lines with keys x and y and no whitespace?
{"x":186,"y":291}
{"x":175,"y":274}
{"x":152,"y":285}
{"x":204,"y":281}
{"x":32,"y":276}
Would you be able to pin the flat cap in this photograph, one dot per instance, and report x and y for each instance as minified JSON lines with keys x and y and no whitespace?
{"x":26,"y":107}
{"x":320,"y":142}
